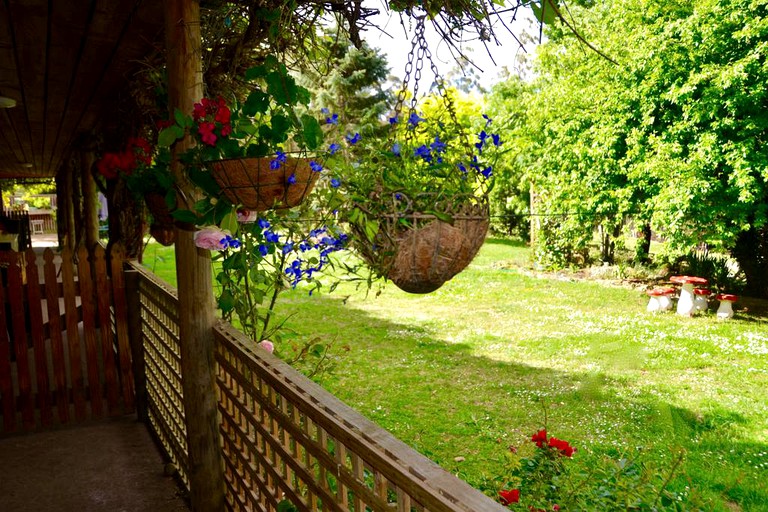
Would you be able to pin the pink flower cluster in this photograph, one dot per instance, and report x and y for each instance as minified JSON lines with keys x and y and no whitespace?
{"x":213,"y":119}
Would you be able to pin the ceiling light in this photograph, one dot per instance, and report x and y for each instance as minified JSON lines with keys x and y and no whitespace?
{"x":7,"y":102}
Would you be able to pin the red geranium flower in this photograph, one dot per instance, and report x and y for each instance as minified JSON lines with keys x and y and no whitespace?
{"x":222,"y":115}
{"x":509,"y":496}
{"x":206,"y":133}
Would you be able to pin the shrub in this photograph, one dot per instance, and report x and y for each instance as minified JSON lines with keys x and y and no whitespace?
{"x":543,"y":477}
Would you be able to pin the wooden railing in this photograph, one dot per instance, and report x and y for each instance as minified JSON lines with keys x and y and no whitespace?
{"x":283,"y":436}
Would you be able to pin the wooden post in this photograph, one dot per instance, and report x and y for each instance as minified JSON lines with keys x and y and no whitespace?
{"x":67,"y":207}
{"x":90,"y":202}
{"x":193,"y":273}
{"x":133,"y":301}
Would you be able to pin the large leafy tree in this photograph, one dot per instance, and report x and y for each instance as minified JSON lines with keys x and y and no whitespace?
{"x":672,"y":131}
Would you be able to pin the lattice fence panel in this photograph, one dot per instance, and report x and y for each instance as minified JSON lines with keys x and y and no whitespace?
{"x":162,"y":354}
{"x":285,"y":438}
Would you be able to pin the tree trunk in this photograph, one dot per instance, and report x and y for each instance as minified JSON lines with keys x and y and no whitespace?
{"x":643,"y":247}
{"x":751,"y":252}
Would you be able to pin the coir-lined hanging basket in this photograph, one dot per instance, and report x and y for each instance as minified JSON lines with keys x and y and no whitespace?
{"x":419,"y":252}
{"x":252,"y":183}
{"x":162,"y":228}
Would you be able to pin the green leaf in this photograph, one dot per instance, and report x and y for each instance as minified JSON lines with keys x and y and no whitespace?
{"x":544,"y":10}
{"x":282,"y":87}
{"x":185,"y":216}
{"x":168,"y":136}
{"x":442,"y":216}
{"x":226,"y":302}
{"x":313,"y":132}
{"x":256,"y":72}
{"x":280,"y":127}
{"x":256,"y":103}
{"x":182,"y":119}
{"x":229,"y":222}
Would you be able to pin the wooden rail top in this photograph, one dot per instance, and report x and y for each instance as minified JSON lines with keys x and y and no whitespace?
{"x":420,"y":477}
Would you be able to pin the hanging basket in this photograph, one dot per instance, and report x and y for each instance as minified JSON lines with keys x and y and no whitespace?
{"x":252,"y":183}
{"x":165,"y":235}
{"x":419,"y":252}
{"x":162,"y":228}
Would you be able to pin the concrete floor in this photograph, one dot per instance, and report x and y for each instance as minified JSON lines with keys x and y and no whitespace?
{"x":112,"y":465}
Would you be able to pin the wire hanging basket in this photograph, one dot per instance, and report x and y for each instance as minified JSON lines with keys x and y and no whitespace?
{"x":251,"y":182}
{"x":424,"y":240}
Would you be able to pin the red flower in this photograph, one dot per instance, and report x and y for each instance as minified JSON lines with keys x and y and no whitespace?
{"x":565,"y":448}
{"x":222,"y":115}
{"x":556,"y":507}
{"x":198,"y":111}
{"x":226,"y":130}
{"x":107,"y":165}
{"x":509,"y":496}
{"x":163,"y":123}
{"x":540,"y":437}
{"x":206,"y":133}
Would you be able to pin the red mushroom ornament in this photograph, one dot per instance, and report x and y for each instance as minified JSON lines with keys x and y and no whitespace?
{"x":725,"y":311}
{"x":686,"y":306}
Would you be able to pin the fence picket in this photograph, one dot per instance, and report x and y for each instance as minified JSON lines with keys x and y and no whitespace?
{"x":73,"y":336}
{"x":6,"y":383}
{"x":57,"y":344}
{"x":89,"y":331}
{"x":103,"y":297}
{"x":24,"y":379}
{"x":38,"y":342}
{"x":117,"y":257}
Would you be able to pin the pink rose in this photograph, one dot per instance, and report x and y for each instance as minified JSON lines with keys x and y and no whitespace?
{"x":267,"y":345}
{"x":211,"y":238}
{"x":245,"y":216}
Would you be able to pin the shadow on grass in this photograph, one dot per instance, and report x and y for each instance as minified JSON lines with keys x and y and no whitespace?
{"x":453,"y":404}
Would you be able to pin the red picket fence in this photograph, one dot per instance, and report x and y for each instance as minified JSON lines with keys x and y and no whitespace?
{"x":64,"y":349}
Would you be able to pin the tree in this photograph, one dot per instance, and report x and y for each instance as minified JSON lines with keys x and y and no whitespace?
{"x":672,"y":132}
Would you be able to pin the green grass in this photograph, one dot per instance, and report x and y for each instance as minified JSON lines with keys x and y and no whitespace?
{"x":472,"y":368}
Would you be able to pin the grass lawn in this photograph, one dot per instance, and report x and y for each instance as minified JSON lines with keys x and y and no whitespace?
{"x":464,"y":372}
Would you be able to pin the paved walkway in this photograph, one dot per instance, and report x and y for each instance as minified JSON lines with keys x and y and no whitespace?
{"x":111,"y":465}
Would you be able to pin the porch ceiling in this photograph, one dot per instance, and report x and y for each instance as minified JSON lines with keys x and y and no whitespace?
{"x":63,"y":62}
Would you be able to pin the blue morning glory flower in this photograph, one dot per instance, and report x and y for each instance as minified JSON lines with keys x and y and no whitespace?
{"x":496,"y":139}
{"x":271,"y":237}
{"x":263,"y":249}
{"x":487,"y":120}
{"x":288,"y":247}
{"x":263,"y":223}
{"x":291,"y":179}
{"x":393,"y":120}
{"x":396,"y":149}
{"x":353,"y":139}
{"x":424,"y":152}
{"x":462,"y":168}
{"x":315,"y":166}
{"x":334,"y":119}
{"x":333,"y":148}
{"x":437,"y":146}
{"x":414,"y":119}
{"x":487,"y":172}
{"x":325,"y":110}
{"x":274,"y":164}
{"x":335,"y":183}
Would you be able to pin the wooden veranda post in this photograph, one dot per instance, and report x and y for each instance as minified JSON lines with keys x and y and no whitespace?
{"x":193,"y":272}
{"x":90,"y":202}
